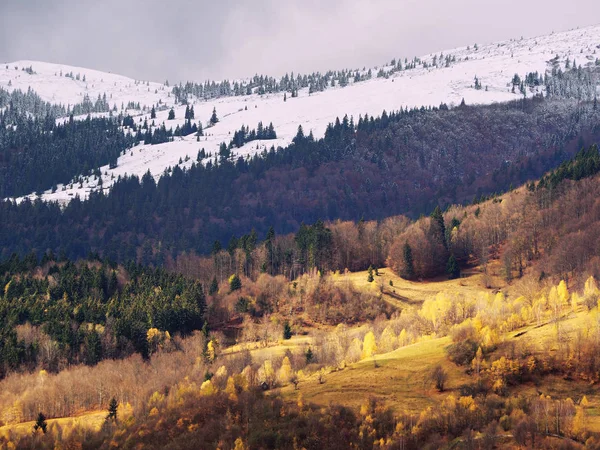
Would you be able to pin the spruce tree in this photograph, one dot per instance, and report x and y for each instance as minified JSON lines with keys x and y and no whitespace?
{"x":299,"y":135}
{"x":93,"y":348}
{"x":287,"y":331}
{"x":214,"y":286}
{"x":171,"y":114}
{"x":112,"y":410}
{"x":452,"y":268}
{"x":409,"y":268}
{"x":214,"y":119}
{"x":235,"y":283}
{"x":40,"y":423}
{"x":370,"y":278}
{"x":309,"y":355}
{"x":438,"y":220}
{"x":153,"y":113}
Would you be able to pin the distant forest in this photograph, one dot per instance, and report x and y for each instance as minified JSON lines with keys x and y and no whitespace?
{"x":406,"y":162}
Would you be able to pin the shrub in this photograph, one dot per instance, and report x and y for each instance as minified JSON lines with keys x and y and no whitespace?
{"x":439,"y":377}
{"x":462,"y":353}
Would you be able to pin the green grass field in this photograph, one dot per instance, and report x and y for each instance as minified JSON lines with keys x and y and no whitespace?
{"x":400,"y":379}
{"x":90,"y":421}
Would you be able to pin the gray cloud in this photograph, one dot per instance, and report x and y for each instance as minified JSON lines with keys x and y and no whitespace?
{"x":187,"y":39}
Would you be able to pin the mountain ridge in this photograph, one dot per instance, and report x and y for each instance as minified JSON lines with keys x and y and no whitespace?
{"x":479,"y":75}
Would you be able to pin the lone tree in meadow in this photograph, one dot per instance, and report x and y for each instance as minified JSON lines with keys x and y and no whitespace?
{"x":171,"y":114}
{"x":40,"y":423}
{"x":112,"y":410}
{"x":439,"y":377}
{"x":370,"y":276}
{"x":214,"y":119}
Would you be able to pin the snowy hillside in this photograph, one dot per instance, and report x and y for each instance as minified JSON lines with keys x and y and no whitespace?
{"x":427,"y":84}
{"x":54,"y":85}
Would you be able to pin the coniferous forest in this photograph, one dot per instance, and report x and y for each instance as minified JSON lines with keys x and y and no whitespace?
{"x":37,"y":154}
{"x":405,"y":162}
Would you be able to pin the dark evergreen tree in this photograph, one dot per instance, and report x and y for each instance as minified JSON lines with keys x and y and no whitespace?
{"x":171,"y":114}
{"x":287,"y":331}
{"x":93,"y":348}
{"x":112,"y":410}
{"x":40,"y":423}
{"x":235,"y":283}
{"x":214,"y":119}
{"x":438,"y":223}
{"x":309,"y":356}
{"x":452,"y":268}
{"x":232,"y":245}
{"x":299,"y":135}
{"x":270,"y":257}
{"x":214,"y":287}
{"x":153,"y":113}
{"x":409,"y":268}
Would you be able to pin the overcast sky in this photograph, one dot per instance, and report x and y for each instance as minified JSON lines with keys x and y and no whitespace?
{"x":199,"y":39}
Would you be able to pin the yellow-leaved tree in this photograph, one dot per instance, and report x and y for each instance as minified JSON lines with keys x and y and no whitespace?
{"x":285,"y":372}
{"x":239,"y":444}
{"x":388,"y":340}
{"x":403,"y":338}
{"x":563,"y":292}
{"x":207,"y":388}
{"x":230,"y":389}
{"x":211,"y":351}
{"x":558,"y":301}
{"x":580,"y":419}
{"x":369,"y":345}
{"x":435,"y":309}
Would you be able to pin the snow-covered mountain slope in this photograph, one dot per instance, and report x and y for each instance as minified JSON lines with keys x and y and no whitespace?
{"x":54,"y":85}
{"x":426,"y":85}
